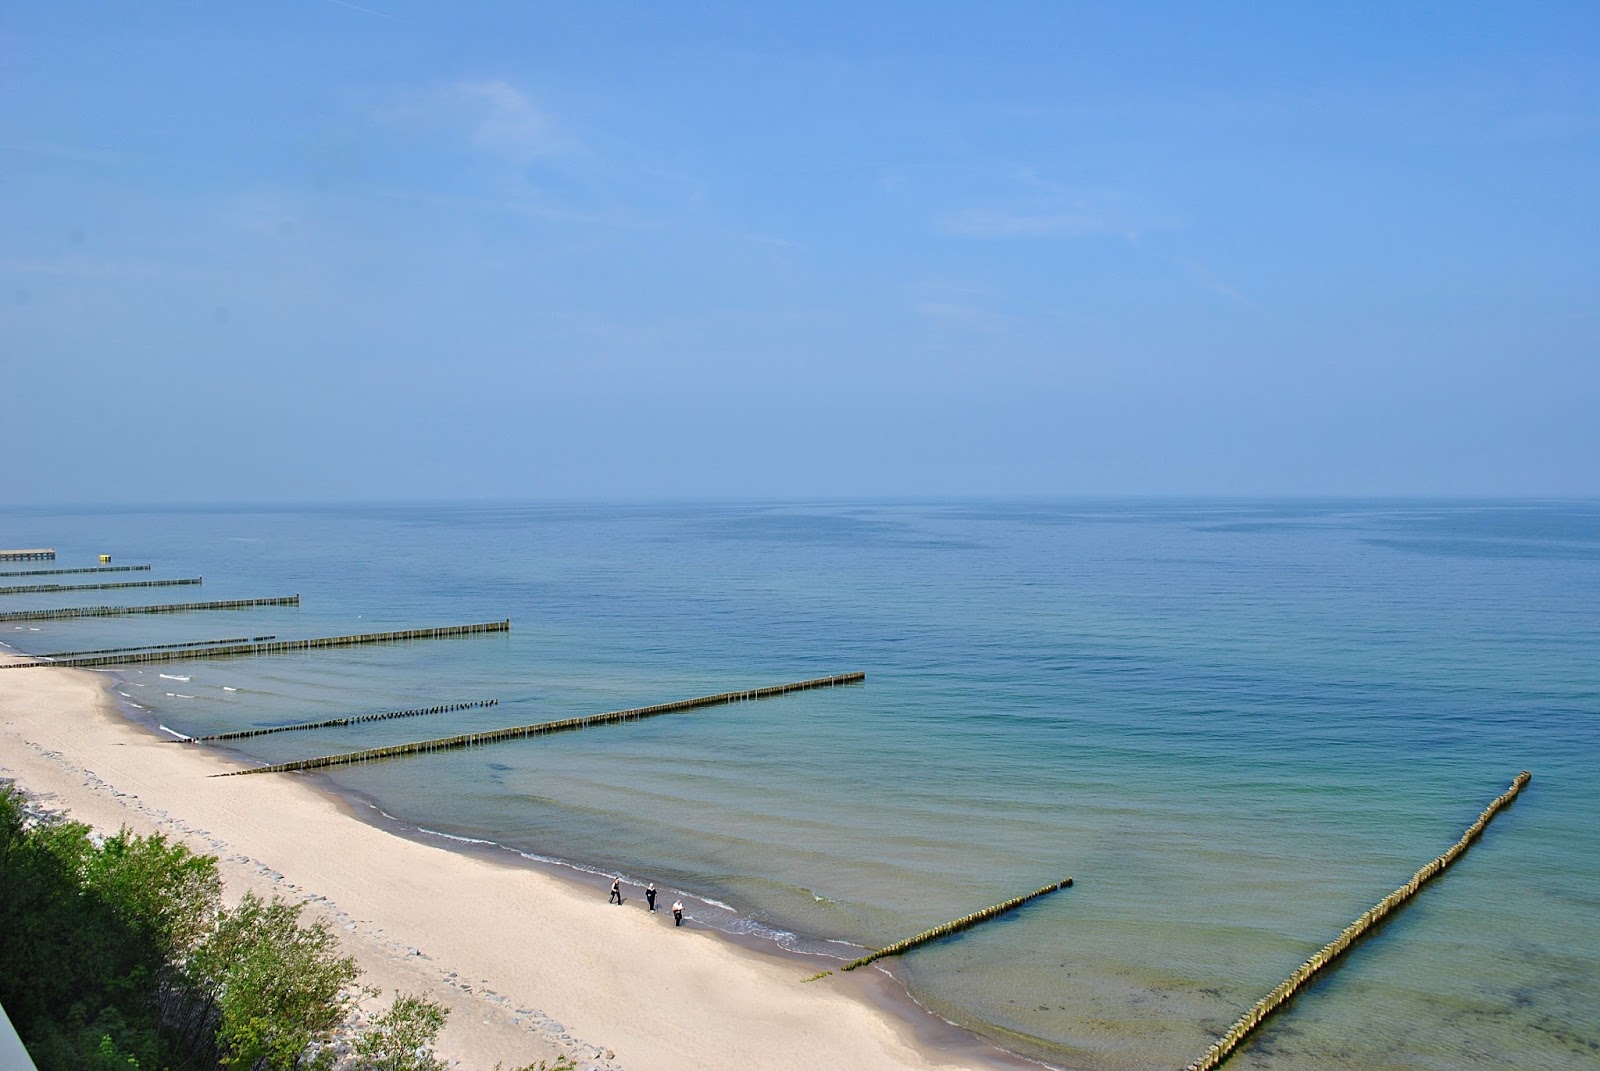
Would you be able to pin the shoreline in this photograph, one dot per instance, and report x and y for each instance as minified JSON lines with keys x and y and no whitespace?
{"x":424,"y":912}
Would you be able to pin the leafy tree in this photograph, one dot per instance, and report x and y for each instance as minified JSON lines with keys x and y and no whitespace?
{"x":119,"y":957}
{"x":78,"y":962}
{"x":281,"y":988}
{"x":157,"y":886}
{"x":400,"y":1038}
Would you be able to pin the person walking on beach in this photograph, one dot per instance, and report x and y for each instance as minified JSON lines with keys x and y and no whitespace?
{"x":650,"y":895}
{"x":677,"y":912}
{"x":616,"y":891}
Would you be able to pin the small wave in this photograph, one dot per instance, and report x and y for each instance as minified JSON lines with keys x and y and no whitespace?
{"x":782,"y":938}
{"x":579,"y":867}
{"x":124,"y":695}
{"x":178,"y":695}
{"x":172,"y":677}
{"x":225,"y":688}
{"x":447,"y":836}
{"x":174,"y":732}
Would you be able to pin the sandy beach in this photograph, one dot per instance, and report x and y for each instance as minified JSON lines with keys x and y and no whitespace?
{"x":531,"y":966}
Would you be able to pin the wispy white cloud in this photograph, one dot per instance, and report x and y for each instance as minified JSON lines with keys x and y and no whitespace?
{"x":955,"y":305}
{"x":964,"y":316}
{"x":1208,"y":278}
{"x":496,"y":146}
{"x":1037,"y":207}
{"x":1015,"y":223}
{"x":358,"y":7}
{"x":525,"y":202}
{"x":501,"y":118}
{"x":489,"y":114}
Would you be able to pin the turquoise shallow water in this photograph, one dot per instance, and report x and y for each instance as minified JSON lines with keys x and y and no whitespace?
{"x":1237,"y":725}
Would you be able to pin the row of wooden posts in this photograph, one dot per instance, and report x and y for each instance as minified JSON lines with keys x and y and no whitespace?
{"x":519,"y":732}
{"x":262,"y":645}
{"x":30,"y":589}
{"x":415,"y":712}
{"x":245,"y":650}
{"x":168,"y":608}
{"x":965,"y":922}
{"x":79,"y":569}
{"x":1352,"y":933}
{"x":157,"y":647}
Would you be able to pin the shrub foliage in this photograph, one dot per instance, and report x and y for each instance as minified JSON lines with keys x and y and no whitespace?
{"x":119,"y":955}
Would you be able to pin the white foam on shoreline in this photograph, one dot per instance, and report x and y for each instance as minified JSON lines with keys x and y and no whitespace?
{"x":446,"y":836}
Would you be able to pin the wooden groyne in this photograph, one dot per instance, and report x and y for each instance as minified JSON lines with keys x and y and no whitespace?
{"x":331,"y":723}
{"x":156,"y":647}
{"x":26,"y":589}
{"x":169,"y":608}
{"x":246,"y":650}
{"x":965,"y":922}
{"x":1352,"y":933}
{"x":519,"y":732}
{"x":40,"y":554}
{"x":80,"y":569}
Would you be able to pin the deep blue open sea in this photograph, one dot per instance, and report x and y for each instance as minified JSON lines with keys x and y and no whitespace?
{"x":1237,"y":725}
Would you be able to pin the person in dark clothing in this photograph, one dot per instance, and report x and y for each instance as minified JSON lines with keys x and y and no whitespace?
{"x":650,"y":895}
{"x":677,"y":912}
{"x":616,"y":891}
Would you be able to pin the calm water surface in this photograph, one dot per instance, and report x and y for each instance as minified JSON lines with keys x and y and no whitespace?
{"x":1237,"y":725}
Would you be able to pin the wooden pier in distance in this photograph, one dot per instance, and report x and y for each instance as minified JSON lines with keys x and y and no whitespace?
{"x":38,"y":554}
{"x":155,"y":647}
{"x":169,"y":608}
{"x":79,"y":569}
{"x":248,"y":650}
{"x":332,"y":723}
{"x":965,"y":922}
{"x":520,"y":732}
{"x":279,"y":647}
{"x":1273,"y":1001}
{"x":28,"y":589}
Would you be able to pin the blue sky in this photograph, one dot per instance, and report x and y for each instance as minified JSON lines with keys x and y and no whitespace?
{"x":313,"y":250}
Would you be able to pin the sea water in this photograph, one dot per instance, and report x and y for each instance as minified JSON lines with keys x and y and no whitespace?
{"x":1237,"y":725}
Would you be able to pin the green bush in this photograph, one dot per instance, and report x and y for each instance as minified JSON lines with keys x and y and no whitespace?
{"x":119,"y":957}
{"x":399,"y":1039}
{"x":281,"y":988}
{"x":84,"y":956}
